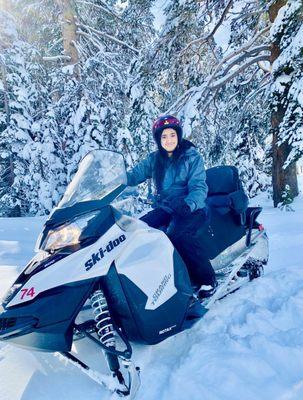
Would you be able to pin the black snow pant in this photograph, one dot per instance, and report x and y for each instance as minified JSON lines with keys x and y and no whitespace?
{"x":183,"y":233}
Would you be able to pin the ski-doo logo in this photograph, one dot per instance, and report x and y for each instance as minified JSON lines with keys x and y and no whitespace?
{"x":160,"y":289}
{"x":96,"y":257}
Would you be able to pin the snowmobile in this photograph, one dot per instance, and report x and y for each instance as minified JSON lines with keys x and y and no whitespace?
{"x":110,"y":278}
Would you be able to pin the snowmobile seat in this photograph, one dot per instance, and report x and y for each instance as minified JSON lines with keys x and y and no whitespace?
{"x":227,"y":203}
{"x":225,"y":192}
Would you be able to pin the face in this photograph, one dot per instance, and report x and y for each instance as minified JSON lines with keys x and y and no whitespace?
{"x":169,"y":140}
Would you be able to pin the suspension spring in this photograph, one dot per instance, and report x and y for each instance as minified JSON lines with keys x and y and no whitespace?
{"x":104,"y":326}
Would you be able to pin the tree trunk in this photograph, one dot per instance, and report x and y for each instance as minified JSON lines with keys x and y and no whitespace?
{"x":5,"y":93}
{"x":281,"y":177}
{"x":69,"y":33}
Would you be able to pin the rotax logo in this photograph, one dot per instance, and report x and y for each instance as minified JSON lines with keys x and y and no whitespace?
{"x":96,"y":257}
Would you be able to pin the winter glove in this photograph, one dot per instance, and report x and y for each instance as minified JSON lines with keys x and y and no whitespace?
{"x":203,"y":214}
{"x":219,"y":201}
{"x":239,"y":201}
{"x":181,"y":207}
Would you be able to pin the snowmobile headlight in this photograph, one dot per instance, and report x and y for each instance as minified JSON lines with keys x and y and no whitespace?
{"x":66,"y":235}
{"x":11,"y":293}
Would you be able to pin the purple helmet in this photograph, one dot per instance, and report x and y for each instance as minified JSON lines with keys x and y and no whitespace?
{"x":163,"y":122}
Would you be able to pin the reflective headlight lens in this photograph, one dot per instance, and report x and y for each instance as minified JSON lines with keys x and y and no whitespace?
{"x":66,"y":235}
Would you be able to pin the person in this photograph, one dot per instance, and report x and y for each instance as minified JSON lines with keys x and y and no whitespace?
{"x":178,"y":172}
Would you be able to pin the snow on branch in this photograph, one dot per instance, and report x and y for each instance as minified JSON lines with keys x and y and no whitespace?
{"x":221,"y":82}
{"x":110,"y":37}
{"x":264,"y":67}
{"x":89,"y":37}
{"x":246,"y":54}
{"x":57,"y":58}
{"x":99,"y":7}
{"x":110,"y":65}
{"x":55,"y":44}
{"x":242,"y":49}
{"x":215,"y":81}
{"x":204,"y":39}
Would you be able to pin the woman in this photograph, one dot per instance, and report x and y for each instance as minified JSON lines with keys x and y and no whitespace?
{"x":178,"y":172}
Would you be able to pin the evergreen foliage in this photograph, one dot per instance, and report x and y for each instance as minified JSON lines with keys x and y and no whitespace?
{"x":207,"y":64}
{"x":287,"y":85}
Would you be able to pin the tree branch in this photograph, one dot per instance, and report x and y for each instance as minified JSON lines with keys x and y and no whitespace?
{"x":99,"y":46}
{"x":206,"y":86}
{"x":106,"y":10}
{"x":221,"y":82}
{"x":204,"y":39}
{"x":111,"y":38}
{"x":54,"y":44}
{"x":57,"y":58}
{"x":248,"y":53}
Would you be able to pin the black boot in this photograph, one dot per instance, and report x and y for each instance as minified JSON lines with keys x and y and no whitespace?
{"x":207,"y":290}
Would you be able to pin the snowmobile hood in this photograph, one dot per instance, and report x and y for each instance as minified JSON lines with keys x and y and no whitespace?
{"x":104,"y":217}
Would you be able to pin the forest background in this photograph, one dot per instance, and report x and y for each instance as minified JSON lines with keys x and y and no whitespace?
{"x":77,"y":75}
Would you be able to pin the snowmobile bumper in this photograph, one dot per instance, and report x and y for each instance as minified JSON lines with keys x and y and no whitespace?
{"x":11,"y":326}
{"x":43,"y":324}
{"x":25,"y":332}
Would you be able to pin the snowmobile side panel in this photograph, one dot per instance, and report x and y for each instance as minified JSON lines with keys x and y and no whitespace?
{"x":140,"y":324}
{"x":222,"y":232}
{"x":148,"y":262}
{"x":254,"y":254}
{"x":46,"y":322}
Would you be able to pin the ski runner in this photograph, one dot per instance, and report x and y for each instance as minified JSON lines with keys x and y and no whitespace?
{"x":178,"y":172}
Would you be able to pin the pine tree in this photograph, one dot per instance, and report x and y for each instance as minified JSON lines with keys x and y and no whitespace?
{"x":286,"y":102}
{"x":25,"y":150}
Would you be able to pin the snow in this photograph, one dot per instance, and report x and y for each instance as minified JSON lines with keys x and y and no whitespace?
{"x":8,"y":30}
{"x":291,"y":51}
{"x":79,"y":115}
{"x":249,"y":346}
{"x":284,"y":12}
{"x":158,"y":10}
{"x":222,"y":35}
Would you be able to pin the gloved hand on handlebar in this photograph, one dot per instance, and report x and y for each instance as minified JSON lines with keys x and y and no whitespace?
{"x":181,"y":207}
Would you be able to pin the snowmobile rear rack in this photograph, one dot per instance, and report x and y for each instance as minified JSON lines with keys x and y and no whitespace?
{"x":252,"y":213}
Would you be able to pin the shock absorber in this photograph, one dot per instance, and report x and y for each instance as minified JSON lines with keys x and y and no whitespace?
{"x":105,"y":330}
{"x":104,"y":326}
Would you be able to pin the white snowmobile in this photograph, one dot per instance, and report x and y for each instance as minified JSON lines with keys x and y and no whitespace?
{"x":112,"y":279}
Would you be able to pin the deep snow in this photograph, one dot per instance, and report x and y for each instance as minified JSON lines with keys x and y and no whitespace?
{"x":249,"y":346}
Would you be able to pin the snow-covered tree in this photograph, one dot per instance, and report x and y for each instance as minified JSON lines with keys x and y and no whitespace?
{"x":85,"y":52}
{"x":286,"y":95}
{"x":28,"y":155}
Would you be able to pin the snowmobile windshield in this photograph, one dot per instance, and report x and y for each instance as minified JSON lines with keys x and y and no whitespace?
{"x":99,"y":173}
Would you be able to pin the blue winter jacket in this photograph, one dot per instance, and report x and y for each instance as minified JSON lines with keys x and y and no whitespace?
{"x":184,"y":178}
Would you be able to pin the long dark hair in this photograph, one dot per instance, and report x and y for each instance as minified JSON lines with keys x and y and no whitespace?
{"x":162,"y":159}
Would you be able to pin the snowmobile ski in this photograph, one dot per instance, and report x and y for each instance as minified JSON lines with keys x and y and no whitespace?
{"x":115,"y":383}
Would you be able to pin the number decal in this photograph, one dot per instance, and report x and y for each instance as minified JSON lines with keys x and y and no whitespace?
{"x":31,"y":292}
{"x":27,"y":292}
